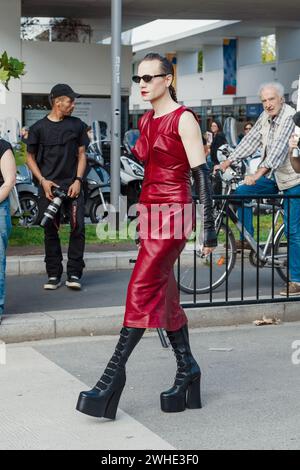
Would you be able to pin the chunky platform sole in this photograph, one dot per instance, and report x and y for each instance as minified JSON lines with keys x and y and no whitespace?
{"x":102,"y":407}
{"x":189,"y":398}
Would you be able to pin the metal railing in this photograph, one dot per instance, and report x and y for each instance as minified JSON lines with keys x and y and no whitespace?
{"x":257,"y":271}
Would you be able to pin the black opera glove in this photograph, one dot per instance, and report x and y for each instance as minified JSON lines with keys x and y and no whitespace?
{"x":204,"y":193}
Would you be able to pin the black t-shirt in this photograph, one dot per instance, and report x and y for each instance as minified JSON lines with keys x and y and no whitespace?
{"x":55,"y":146}
{"x":4,"y":145}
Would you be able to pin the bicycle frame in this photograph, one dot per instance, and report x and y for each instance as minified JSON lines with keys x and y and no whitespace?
{"x":227,"y":211}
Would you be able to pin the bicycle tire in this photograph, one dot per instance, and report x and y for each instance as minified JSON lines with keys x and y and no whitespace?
{"x":232,"y":260}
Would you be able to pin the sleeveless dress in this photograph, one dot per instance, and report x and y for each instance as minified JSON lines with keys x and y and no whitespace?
{"x":165,"y":223}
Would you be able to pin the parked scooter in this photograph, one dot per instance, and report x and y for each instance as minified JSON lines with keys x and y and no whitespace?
{"x":132,"y":172}
{"x":97,"y":185}
{"x":97,"y":189}
{"x":25,"y":193}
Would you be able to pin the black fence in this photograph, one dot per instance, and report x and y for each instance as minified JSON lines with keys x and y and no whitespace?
{"x":245,"y":268}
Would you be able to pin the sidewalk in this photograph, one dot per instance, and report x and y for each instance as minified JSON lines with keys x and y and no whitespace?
{"x":250,"y":393}
{"x":38,"y":412}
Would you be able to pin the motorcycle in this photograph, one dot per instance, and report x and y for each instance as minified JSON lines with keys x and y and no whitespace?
{"x":131,"y":171}
{"x":97,"y":189}
{"x":24,"y":196}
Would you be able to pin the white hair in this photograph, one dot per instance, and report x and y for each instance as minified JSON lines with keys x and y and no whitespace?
{"x":275,"y":85}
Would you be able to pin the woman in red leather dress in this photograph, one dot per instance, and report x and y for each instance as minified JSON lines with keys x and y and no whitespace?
{"x":170,"y":146}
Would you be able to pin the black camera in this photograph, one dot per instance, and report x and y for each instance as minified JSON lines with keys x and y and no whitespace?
{"x":51,"y":211}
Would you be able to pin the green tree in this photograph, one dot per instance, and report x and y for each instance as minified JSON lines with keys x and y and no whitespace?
{"x":268,"y":48}
{"x":200,"y":61}
{"x":10,"y":68}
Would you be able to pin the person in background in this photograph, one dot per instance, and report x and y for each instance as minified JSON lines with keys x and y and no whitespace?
{"x":218,"y":139}
{"x":56,"y":156}
{"x":247,"y":128}
{"x":24,"y":134}
{"x":271,"y":134}
{"x":7,"y":181}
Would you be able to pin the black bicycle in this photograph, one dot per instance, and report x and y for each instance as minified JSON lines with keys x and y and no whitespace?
{"x":199,"y":274}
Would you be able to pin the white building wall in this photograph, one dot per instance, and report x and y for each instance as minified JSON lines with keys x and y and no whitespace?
{"x":249,"y":51}
{"x":187,"y":63}
{"x":85,"y":67}
{"x":212,"y":58}
{"x":10,"y":13}
{"x":193,"y":88}
{"x":287,"y":41}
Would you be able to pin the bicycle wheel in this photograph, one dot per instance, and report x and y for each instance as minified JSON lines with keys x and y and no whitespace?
{"x":280,"y":249}
{"x":186,"y":280}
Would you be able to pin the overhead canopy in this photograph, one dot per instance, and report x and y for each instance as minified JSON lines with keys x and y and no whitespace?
{"x":137,"y":12}
{"x":212,"y":34}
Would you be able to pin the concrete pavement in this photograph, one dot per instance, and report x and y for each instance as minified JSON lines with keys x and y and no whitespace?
{"x":250,"y":393}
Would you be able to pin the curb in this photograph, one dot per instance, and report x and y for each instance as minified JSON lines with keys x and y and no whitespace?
{"x":34,"y":264}
{"x":20,"y":266}
{"x":107,"y":321}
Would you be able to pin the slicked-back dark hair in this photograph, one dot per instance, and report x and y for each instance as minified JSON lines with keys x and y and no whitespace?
{"x":166,"y":67}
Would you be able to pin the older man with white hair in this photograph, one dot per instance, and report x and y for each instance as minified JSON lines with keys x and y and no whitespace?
{"x":271,"y":134}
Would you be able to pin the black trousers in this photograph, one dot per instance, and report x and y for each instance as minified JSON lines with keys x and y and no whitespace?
{"x":74,"y":210}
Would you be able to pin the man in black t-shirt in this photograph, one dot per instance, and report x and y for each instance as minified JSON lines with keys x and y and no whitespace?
{"x":56,"y":156}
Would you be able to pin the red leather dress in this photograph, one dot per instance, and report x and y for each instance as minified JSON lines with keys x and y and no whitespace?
{"x":152,"y":296}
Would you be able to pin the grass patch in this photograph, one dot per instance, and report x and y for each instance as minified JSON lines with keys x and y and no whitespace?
{"x":34,"y":236}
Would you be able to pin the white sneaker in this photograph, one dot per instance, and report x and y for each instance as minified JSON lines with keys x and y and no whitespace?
{"x":73,"y":282}
{"x":53,"y":283}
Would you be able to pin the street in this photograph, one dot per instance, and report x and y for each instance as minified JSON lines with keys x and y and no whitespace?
{"x":108,"y":288}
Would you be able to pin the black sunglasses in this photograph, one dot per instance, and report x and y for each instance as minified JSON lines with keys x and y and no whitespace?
{"x":147,"y":78}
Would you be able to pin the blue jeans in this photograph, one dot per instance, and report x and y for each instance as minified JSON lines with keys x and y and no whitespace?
{"x":5,"y":229}
{"x":292,"y":231}
{"x":262,"y":186}
{"x":267,"y":186}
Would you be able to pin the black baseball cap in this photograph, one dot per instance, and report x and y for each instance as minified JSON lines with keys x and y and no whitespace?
{"x":61,"y":89}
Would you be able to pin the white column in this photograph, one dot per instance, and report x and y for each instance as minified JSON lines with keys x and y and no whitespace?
{"x":249,"y":51}
{"x":212,"y":58}
{"x":187,"y":63}
{"x":287,"y":41}
{"x":10,"y":17}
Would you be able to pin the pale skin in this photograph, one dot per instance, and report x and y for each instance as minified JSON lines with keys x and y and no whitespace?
{"x":62,"y":106}
{"x":272,"y":103}
{"x":8,"y":170}
{"x":157,"y":92}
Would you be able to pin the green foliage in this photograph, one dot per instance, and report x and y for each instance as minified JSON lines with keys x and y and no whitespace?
{"x":20,"y":153}
{"x":200,"y":61}
{"x":268,"y":49}
{"x":10,"y":67}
